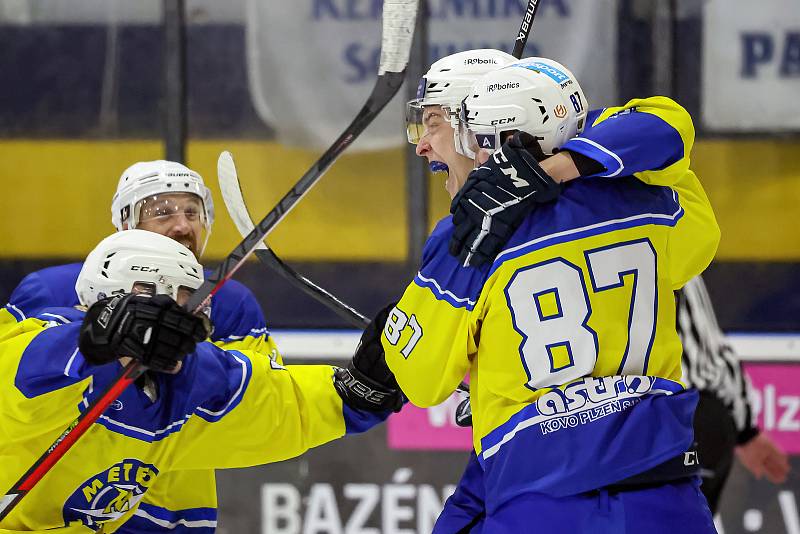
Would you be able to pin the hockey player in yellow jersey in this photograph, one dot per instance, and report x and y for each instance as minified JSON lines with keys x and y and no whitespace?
{"x":171,"y":199}
{"x":580,"y":421}
{"x":199,"y":408}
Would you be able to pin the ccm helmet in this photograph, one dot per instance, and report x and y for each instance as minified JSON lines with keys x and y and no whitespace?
{"x":536,"y":95}
{"x":446,"y":84}
{"x":137,"y":260}
{"x":146,"y":179}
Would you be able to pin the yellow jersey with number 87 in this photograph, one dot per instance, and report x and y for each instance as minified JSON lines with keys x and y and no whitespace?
{"x":569,"y":336}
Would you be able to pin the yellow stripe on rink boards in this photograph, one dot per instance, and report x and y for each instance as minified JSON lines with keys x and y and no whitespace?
{"x":57,"y":196}
{"x":754,"y":187}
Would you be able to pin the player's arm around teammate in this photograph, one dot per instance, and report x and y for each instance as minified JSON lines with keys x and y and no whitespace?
{"x":649,"y":138}
{"x":202,"y":408}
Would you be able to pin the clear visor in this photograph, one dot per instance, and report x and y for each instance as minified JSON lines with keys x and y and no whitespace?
{"x":165,"y":205}
{"x":179,"y":293}
{"x":163,"y":211}
{"x":472,"y":136}
{"x":421,"y":117}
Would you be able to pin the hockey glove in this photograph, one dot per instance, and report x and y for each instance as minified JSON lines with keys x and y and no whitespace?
{"x":154,"y":330}
{"x":464,"y":413}
{"x":497,"y":197}
{"x":367,"y":383}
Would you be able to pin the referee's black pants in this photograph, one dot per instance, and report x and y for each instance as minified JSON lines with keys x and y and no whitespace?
{"x":715,"y":434}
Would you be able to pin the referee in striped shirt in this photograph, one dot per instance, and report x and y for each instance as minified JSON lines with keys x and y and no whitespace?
{"x":724,"y":420}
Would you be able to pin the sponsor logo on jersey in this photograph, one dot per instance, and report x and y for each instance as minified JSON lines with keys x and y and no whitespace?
{"x":501,"y":86}
{"x":560,"y":111}
{"x":555,"y":74}
{"x":592,"y":391}
{"x":109,"y":494}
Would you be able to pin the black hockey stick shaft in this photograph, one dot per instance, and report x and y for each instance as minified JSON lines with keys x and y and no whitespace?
{"x":386,"y":87}
{"x":345,"y":311}
{"x":525,"y":28}
{"x":231,"y":190}
{"x":321,"y":295}
{"x":399,"y":18}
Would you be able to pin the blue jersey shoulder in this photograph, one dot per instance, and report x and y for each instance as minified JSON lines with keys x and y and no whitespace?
{"x":235,"y":313}
{"x":46,"y":288}
{"x":628,"y":142}
{"x":590,"y":206}
{"x":234,"y":309}
{"x":444,"y":274}
{"x":210,"y":383}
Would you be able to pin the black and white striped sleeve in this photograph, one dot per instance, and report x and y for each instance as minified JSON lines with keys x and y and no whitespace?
{"x":709,"y":362}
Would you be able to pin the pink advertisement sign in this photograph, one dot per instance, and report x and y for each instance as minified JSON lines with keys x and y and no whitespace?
{"x":776,"y":401}
{"x":429,"y":429}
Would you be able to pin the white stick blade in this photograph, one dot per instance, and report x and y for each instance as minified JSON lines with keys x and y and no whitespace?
{"x":232,"y":195}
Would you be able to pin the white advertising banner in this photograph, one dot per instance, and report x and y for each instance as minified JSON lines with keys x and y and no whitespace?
{"x":751,"y":65}
{"x":312,"y":63}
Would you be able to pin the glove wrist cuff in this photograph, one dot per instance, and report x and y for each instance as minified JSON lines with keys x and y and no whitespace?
{"x":362,"y":393}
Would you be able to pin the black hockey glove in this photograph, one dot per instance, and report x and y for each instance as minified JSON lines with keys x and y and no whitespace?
{"x":155,"y":330}
{"x":496,"y":198}
{"x":464,"y":413}
{"x":367,"y":383}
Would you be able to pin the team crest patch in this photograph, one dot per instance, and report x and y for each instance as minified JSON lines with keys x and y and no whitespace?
{"x":110,"y":494}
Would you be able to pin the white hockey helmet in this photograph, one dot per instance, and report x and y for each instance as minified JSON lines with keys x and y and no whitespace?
{"x":446,"y":84}
{"x":154,"y":263}
{"x":536,"y":95}
{"x":145,"y":179}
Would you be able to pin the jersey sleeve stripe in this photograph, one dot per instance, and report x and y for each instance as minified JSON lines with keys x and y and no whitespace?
{"x":194,"y":518}
{"x":55,"y":317}
{"x":140,"y":433}
{"x":596,"y":151}
{"x":443,"y":294}
{"x":586,"y":231}
{"x":69,"y":363}
{"x":16,"y":312}
{"x":216,"y":415}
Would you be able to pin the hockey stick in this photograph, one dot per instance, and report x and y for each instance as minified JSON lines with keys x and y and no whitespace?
{"x":399,"y":17}
{"x":525,"y":28}
{"x":237,"y":208}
